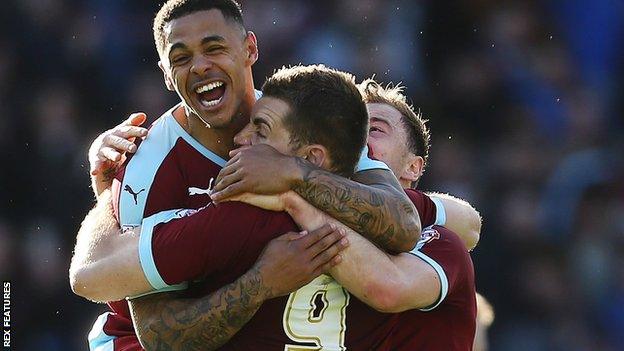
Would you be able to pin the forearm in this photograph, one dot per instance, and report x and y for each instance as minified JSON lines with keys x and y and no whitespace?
{"x":99,"y":224}
{"x":380,"y":212}
{"x":365,"y":271}
{"x":105,"y":265}
{"x":166,"y":322}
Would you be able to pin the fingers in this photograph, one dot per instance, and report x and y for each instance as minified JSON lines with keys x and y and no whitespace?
{"x":110,"y":154}
{"x":331,"y":251}
{"x":326,"y":246}
{"x":135,"y":119}
{"x":231,"y":191}
{"x":227,"y":171}
{"x":235,"y":152}
{"x":128,"y":132}
{"x":314,"y":236}
{"x":120,"y":144}
{"x":290,"y":236}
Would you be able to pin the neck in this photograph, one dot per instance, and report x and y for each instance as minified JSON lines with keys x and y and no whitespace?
{"x":405,"y":184}
{"x":218,"y":140}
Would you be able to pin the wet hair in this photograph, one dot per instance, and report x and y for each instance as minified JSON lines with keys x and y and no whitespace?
{"x":174,"y":9}
{"x":326,"y":108}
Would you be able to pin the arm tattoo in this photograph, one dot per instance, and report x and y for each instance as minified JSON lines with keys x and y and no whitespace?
{"x":166,"y":321}
{"x":382,"y":213}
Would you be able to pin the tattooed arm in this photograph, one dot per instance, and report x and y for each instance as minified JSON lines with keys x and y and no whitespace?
{"x":167,"y":321}
{"x":373,"y":203}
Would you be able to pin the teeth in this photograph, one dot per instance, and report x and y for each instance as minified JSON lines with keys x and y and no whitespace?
{"x":212,"y":102}
{"x":208,"y":87}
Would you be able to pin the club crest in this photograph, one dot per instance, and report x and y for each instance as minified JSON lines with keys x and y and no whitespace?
{"x":428,"y":235}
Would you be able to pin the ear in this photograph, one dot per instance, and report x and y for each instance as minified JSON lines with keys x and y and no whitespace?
{"x":168,"y":80}
{"x":251,"y":45}
{"x":413,"y":168}
{"x":317,"y":154}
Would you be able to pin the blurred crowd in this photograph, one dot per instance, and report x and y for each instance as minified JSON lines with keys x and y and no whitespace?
{"x":523,"y":101}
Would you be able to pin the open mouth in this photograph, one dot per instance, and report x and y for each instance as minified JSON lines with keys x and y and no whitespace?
{"x":210,"y":94}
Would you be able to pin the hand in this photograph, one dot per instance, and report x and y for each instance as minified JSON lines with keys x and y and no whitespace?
{"x":258,"y":169}
{"x":267,"y":202}
{"x":107,"y":150}
{"x":293,"y":260}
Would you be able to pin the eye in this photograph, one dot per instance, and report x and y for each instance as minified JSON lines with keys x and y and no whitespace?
{"x":214,"y":49}
{"x":179,"y":60}
{"x":375,"y":129}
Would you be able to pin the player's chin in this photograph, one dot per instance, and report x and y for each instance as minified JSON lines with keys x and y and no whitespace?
{"x":219,"y":118}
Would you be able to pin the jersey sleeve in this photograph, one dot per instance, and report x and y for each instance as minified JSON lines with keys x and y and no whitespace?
{"x":184,"y":245}
{"x":443,"y":250}
{"x":425,"y":205}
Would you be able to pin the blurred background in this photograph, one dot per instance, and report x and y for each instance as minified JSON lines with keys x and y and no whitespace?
{"x":524,"y":100}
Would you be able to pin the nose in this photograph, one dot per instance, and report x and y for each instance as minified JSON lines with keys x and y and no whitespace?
{"x":201,"y":65}
{"x":243,"y":138}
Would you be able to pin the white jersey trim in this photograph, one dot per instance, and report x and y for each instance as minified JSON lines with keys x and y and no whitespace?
{"x":258,"y":94}
{"x":146,"y":255}
{"x":444,"y":285}
{"x":142,"y":169}
{"x":440,"y":211}
{"x":365,"y":163}
{"x":98,"y":339}
{"x":196,"y":144}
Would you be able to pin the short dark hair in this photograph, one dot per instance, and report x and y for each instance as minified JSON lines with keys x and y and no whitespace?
{"x":418,"y":136}
{"x":173,"y":9}
{"x":326,"y":108}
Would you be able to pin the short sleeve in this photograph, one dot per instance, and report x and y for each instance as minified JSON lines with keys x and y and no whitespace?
{"x":185,"y":245}
{"x":443,"y":250}
{"x":425,"y":206}
{"x":146,"y":249}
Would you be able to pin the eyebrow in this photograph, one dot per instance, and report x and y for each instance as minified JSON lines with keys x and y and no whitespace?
{"x":259,"y":120}
{"x":211,"y":38}
{"x":381,"y":120}
{"x":206,"y":40}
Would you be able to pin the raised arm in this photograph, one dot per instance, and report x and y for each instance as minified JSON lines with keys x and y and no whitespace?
{"x":171,"y":322}
{"x":376,"y":206}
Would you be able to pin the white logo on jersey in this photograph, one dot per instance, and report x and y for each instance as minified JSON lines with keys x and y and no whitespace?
{"x":199,"y":191}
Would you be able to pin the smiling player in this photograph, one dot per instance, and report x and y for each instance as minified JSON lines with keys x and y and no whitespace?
{"x":206,"y":56}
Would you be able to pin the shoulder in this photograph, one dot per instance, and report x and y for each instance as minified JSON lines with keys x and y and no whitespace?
{"x":416,"y":196}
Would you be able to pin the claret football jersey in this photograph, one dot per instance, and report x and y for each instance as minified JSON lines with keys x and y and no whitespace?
{"x":450,"y":323}
{"x":170,"y":170}
{"x":219,"y":244}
